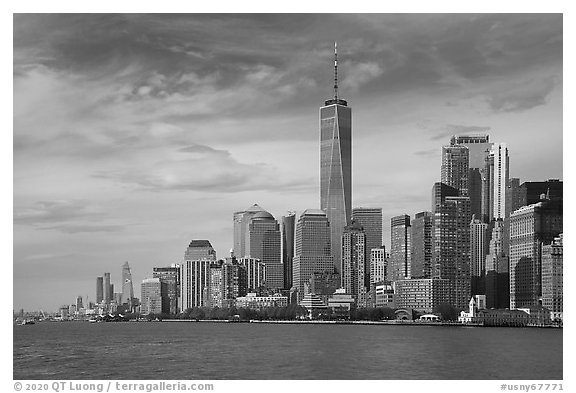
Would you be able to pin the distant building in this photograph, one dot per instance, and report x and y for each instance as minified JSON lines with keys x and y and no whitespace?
{"x":99,"y":289}
{"x":313,"y":303}
{"x":422,"y":247}
{"x":536,"y":316}
{"x":477,"y":302}
{"x":234,"y":282}
{"x":252,"y":301}
{"x":400,"y":248}
{"x":455,"y":166}
{"x":384,"y":295}
{"x":371,"y":220}
{"x":241,"y":221}
{"x":324,"y":283}
{"x":552,"y":278}
{"x":421,"y":294}
{"x":378,"y":265}
{"x":151,"y":296}
{"x":195,"y":274}
{"x":531,"y":191}
{"x":288,"y":233}
{"x":353,"y":262}
{"x":514,"y":195}
{"x":479,"y":245}
{"x":497,"y":272}
{"x":127,"y":287}
{"x":341,"y":303}
{"x":255,"y":274}
{"x":108,"y":291}
{"x":170,"y":280}
{"x":531,"y":227}
{"x":263,"y":242}
{"x":312,"y":252}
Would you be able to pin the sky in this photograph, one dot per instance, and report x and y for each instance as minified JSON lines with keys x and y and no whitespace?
{"x":134,"y":134}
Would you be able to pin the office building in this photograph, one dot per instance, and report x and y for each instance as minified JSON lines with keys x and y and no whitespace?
{"x":497,"y":272}
{"x":514,"y":195}
{"x":552,"y":278}
{"x":195,"y":274}
{"x":378,"y":265}
{"x":479,"y":146}
{"x":455,"y":165}
{"x":241,"y":221}
{"x":288,"y":232}
{"x":531,"y":227}
{"x":422,"y":295}
{"x":312,"y":252}
{"x":384,"y":295}
{"x":127,"y":287}
{"x":170,"y":281}
{"x":353,"y":262}
{"x":421,"y":241}
{"x":439,"y":193}
{"x":400,"y":248}
{"x":336,"y":166}
{"x":263,"y":242}
{"x":108,"y":288}
{"x":531,"y":191}
{"x":151,"y":296}
{"x":99,"y":289}
{"x":479,"y":246}
{"x":371,"y":220}
{"x":255,"y":274}
{"x":451,"y":255}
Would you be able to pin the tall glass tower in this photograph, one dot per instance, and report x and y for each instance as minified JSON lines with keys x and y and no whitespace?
{"x":336,"y":166}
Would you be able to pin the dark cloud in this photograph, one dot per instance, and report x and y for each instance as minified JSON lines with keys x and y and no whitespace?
{"x":523,"y":96}
{"x":44,"y":212}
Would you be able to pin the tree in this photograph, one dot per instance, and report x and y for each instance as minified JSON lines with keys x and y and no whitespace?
{"x":448,"y":311}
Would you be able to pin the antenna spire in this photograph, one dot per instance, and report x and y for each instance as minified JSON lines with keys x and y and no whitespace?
{"x":335,"y":71}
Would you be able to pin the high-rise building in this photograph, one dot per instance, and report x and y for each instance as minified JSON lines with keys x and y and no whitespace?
{"x":378,"y":265}
{"x":497,"y":272}
{"x":479,"y":245}
{"x":353,"y":262}
{"x":400,"y":248}
{"x":127,"y":288}
{"x":552,"y":278}
{"x":479,"y":146}
{"x":423,"y":294}
{"x":241,"y":221}
{"x":99,"y":289}
{"x":215,"y":295}
{"x":108,"y":291}
{"x":499,"y":174}
{"x":79,"y":303}
{"x":255,"y":274}
{"x":288,"y":231}
{"x":439,"y":193}
{"x":170,"y":281}
{"x":531,"y":227}
{"x":336,"y":166}
{"x":421,"y":259}
{"x":263,"y":242}
{"x":370,"y":218}
{"x":514,"y":195}
{"x":195,"y":273}
{"x":151,"y":296}
{"x":234,"y":282}
{"x":451,"y":253}
{"x":455,"y":165}
{"x":312,"y":253}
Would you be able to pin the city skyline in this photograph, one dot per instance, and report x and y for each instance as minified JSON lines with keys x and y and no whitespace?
{"x":246,"y":114}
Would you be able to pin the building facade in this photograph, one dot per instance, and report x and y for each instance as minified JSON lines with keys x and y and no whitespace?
{"x":422,"y":247}
{"x":497,"y":271}
{"x":400,"y":248}
{"x":127,"y":287}
{"x":288,"y":232}
{"x":421,"y":294}
{"x":151,"y":296}
{"x":313,"y":251}
{"x":552,"y":278}
{"x":263,"y":243}
{"x":479,"y":246}
{"x":170,"y":281}
{"x":455,"y":165}
{"x":195,"y":274}
{"x":354,"y":263}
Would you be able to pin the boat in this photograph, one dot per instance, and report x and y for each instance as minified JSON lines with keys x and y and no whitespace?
{"x":28,"y":322}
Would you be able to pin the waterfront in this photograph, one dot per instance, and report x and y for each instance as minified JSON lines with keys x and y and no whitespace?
{"x":80,"y":350}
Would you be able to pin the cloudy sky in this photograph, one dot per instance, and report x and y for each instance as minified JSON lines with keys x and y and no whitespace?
{"x":134,"y":134}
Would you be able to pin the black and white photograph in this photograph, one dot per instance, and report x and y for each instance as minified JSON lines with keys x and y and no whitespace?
{"x":210,"y":197}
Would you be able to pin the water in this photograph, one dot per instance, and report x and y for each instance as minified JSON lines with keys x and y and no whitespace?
{"x":193,"y":351}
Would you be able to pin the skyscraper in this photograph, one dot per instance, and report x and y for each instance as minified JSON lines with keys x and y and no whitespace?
{"x":479,"y":244}
{"x":312,"y":252}
{"x":531,"y":227}
{"x":378,"y":265}
{"x":151,"y":295}
{"x":170,"y":281}
{"x":108,"y":291}
{"x":479,"y":147}
{"x":195,"y":273}
{"x":127,"y":288}
{"x":400,"y":248}
{"x":255,"y":274}
{"x":532,"y":190}
{"x":336,"y":165}
{"x":288,"y":231}
{"x":353,"y":262}
{"x":99,"y":289}
{"x":263,"y":242}
{"x":497,"y":272}
{"x":421,"y":259}
{"x":371,"y":220}
{"x":552,"y":277}
{"x":241,"y":221}
{"x":455,"y":165}
{"x":499,"y":174}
